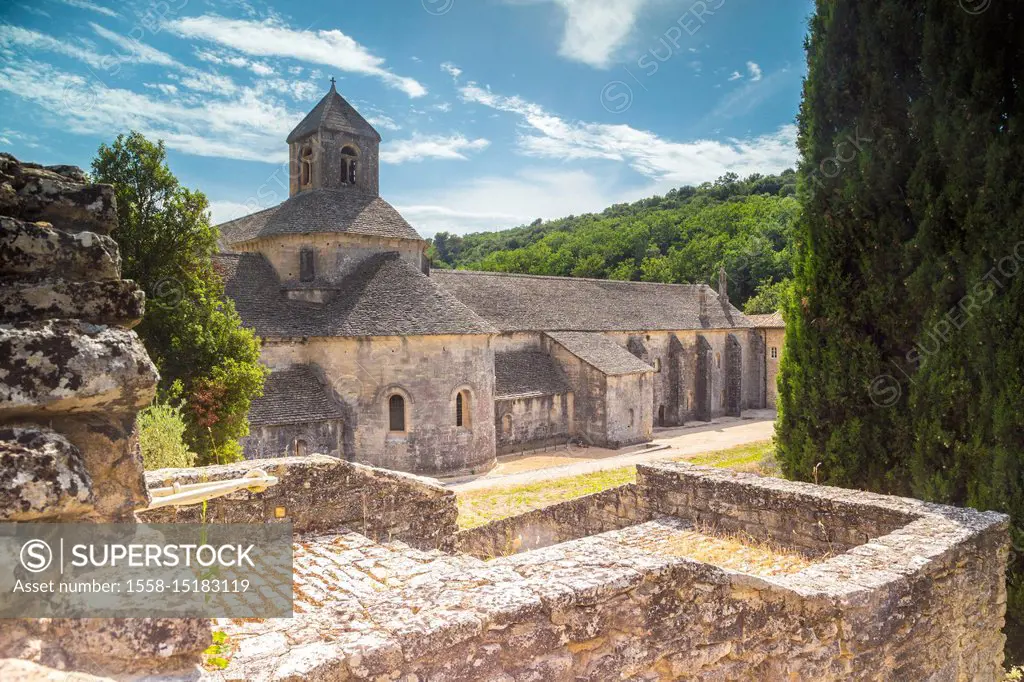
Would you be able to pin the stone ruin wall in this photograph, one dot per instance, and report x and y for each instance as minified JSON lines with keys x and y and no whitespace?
{"x":72,"y":377}
{"x":908,"y":591}
{"x":319,"y":494}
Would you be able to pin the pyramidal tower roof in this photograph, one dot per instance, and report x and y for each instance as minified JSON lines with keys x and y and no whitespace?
{"x":333,"y":113}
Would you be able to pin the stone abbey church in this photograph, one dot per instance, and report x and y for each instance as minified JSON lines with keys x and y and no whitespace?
{"x":378,"y":359}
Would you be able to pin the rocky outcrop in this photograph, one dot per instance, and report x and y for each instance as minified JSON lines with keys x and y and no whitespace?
{"x":42,"y":475}
{"x":55,"y":194}
{"x":72,"y":378}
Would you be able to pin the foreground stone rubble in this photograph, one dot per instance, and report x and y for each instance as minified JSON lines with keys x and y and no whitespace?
{"x":72,"y":377}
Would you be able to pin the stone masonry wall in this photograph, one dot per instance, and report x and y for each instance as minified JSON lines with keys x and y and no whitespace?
{"x":916,"y":593}
{"x":72,"y":377}
{"x":588,"y":515}
{"x":320,"y":493}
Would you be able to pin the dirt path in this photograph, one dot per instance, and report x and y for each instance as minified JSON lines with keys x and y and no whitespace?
{"x":667,"y":444}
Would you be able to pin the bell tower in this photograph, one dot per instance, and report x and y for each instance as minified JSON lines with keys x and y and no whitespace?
{"x":334,"y":147}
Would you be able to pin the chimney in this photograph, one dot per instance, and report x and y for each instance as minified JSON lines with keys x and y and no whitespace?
{"x":703,"y":302}
{"x":723,"y":286}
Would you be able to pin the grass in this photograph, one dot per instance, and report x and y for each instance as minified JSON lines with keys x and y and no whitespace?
{"x":483,"y":506}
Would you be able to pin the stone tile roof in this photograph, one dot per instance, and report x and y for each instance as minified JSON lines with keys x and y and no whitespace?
{"x":321,"y":210}
{"x":527,"y":373}
{"x":382,"y":295}
{"x":333,"y":112}
{"x":536,"y":303}
{"x":293,"y":396}
{"x":770,"y":321}
{"x":601,"y":352}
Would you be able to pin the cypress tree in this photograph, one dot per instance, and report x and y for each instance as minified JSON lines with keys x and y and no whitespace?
{"x":843,"y":388}
{"x":967,"y":399}
{"x":904,"y":364}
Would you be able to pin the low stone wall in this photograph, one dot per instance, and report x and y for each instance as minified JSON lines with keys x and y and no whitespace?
{"x":921,"y":600}
{"x":781,"y":511}
{"x":589,"y":515}
{"x":320,"y":493}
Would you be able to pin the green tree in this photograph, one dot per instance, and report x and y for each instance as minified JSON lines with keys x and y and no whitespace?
{"x":191,"y":331}
{"x":904,"y":362}
{"x":770,"y":297}
{"x":967,"y":399}
{"x":843,"y":410}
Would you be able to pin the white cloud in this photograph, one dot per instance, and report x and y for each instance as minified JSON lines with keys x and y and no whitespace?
{"x":498,"y":202}
{"x":16,"y":36}
{"x":261,"y":69}
{"x":420,"y":147}
{"x":736,"y":75}
{"x":139,"y":52}
{"x":165,"y":88}
{"x":451,"y":70}
{"x":595,"y":29}
{"x":384,"y":122}
{"x":664,"y":161}
{"x":755,"y":71}
{"x":202,"y":81}
{"x":245,"y":125}
{"x":222,"y":211}
{"x":271,"y":39}
{"x":91,"y":6}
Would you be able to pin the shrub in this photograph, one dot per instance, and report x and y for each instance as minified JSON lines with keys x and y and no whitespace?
{"x":161,"y":438}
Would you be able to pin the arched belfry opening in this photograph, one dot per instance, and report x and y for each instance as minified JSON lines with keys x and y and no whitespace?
{"x":334,"y":147}
{"x":306,"y":167}
{"x":349,"y":164}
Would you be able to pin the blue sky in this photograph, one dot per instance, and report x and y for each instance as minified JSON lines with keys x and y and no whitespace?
{"x":493,"y":112}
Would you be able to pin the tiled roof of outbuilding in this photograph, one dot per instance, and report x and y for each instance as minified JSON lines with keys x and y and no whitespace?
{"x":769,"y":321}
{"x":382,"y":295}
{"x":321,"y":210}
{"x":601,"y":352}
{"x":527,"y":373}
{"x":537,"y":303}
{"x":293,"y":396}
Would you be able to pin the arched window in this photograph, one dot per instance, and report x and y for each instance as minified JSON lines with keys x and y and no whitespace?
{"x":657,"y":364}
{"x":396,"y":413}
{"x":462,"y":409}
{"x":718,"y":360}
{"x":506,"y":425}
{"x":300,"y":448}
{"x":305,"y":166}
{"x":349,"y":161}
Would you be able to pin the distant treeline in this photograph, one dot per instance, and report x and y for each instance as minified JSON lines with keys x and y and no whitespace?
{"x":684,"y":236}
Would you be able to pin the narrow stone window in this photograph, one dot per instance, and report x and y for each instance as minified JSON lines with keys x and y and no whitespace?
{"x":462,"y":409}
{"x":396,"y":413}
{"x":775,"y":352}
{"x":632,"y":417}
{"x":349,"y":159}
{"x":506,"y":425}
{"x":307,"y":265}
{"x":718,"y":360}
{"x":661,"y":415}
{"x":306,"y":166}
{"x":657,"y":364}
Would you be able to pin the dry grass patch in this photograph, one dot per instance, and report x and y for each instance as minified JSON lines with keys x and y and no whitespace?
{"x":478,"y":507}
{"x":737,"y":551}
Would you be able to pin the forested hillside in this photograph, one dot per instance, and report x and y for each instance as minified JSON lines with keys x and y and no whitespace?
{"x":684,"y":236}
